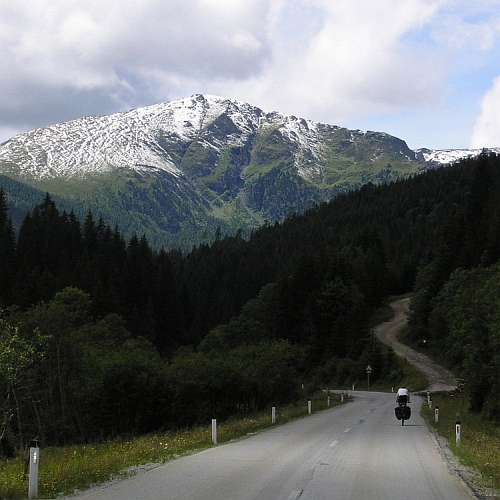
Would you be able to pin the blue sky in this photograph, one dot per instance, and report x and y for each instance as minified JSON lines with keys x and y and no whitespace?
{"x":427,"y":71}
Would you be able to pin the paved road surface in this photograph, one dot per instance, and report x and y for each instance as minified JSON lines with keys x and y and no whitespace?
{"x":355,"y":452}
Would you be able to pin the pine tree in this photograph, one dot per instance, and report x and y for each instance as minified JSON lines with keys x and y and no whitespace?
{"x":7,"y":252}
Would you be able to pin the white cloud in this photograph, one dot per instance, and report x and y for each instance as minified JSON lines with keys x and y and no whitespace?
{"x":84,"y":43}
{"x":338,"y":61}
{"x":354,"y":62}
{"x":486,"y":133}
{"x":121,"y":53}
{"x":464,"y":24}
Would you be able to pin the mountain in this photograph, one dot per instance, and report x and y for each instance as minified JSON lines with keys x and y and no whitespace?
{"x":178,"y":170}
{"x":438,"y":157}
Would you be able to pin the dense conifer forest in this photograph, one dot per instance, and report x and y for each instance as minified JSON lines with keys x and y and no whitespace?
{"x":102,"y":337}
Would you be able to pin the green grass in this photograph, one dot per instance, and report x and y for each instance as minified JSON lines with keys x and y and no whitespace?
{"x":406,"y":375}
{"x":67,"y":469}
{"x":479,"y":438}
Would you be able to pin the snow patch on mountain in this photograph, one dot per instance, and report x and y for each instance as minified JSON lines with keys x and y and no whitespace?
{"x":155,"y":138}
{"x":450,"y":156}
{"x":131,"y":139}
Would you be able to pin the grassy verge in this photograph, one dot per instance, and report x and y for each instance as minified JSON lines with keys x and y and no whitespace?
{"x":479,"y":438}
{"x":65,"y":470}
{"x":406,"y":375}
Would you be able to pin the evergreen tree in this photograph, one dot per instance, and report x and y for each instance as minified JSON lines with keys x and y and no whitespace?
{"x":7,"y":252}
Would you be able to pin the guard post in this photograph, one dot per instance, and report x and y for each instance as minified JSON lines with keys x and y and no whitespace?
{"x":33,"y":469}
{"x":214,"y":431}
{"x":457,"y":430}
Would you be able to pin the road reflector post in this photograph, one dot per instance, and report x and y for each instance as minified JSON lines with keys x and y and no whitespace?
{"x":214,"y":431}
{"x":342,"y":397}
{"x":33,"y":469}
{"x":436,"y":414}
{"x":309,"y":407}
{"x":457,"y":430}
{"x":273,"y":414}
{"x":328,"y":400}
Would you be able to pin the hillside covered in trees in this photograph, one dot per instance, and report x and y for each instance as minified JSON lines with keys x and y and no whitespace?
{"x":100,"y":336}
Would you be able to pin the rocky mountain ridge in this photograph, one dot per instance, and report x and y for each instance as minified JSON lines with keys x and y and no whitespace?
{"x":187,"y":166}
{"x":143,"y":138}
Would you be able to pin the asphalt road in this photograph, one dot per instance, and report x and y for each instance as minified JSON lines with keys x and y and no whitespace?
{"x":358,"y":451}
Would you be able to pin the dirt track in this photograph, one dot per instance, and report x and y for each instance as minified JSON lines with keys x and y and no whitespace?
{"x":440,"y":379}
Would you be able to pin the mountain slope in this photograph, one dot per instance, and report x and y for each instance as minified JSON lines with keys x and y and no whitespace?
{"x":178,"y":170}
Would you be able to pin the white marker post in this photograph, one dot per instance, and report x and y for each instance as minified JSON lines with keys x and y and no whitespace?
{"x":309,"y":407}
{"x":214,"y":431}
{"x":457,"y":430}
{"x":436,"y":414}
{"x":273,"y":414}
{"x":33,"y":479}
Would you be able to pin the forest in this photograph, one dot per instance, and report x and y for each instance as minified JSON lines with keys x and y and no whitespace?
{"x":102,"y":337}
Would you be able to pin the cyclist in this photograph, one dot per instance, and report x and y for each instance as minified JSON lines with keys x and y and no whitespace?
{"x":403,"y":395}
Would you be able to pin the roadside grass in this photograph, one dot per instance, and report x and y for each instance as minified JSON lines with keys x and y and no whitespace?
{"x":381,"y":315}
{"x":406,"y":375}
{"x":65,"y":470}
{"x":479,"y":438}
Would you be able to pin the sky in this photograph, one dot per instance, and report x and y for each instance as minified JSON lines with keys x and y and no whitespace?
{"x":426,"y":71}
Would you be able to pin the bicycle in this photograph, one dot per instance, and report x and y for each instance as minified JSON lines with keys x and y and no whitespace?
{"x":402,"y":411}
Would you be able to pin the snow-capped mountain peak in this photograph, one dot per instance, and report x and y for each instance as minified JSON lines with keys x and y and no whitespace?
{"x":157,"y":137}
{"x":98,"y":144}
{"x":449,"y":156}
{"x":183,"y":166}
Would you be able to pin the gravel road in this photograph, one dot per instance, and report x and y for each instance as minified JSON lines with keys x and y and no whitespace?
{"x":440,"y":379}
